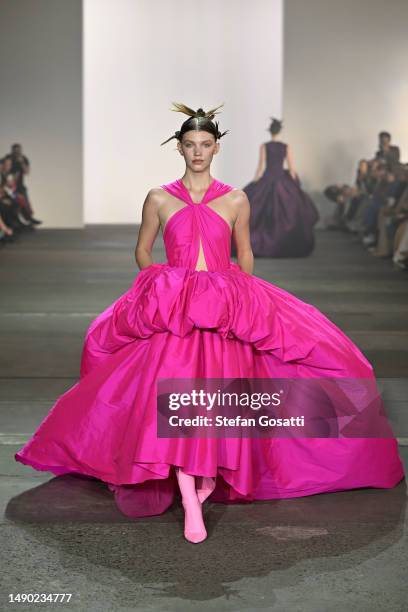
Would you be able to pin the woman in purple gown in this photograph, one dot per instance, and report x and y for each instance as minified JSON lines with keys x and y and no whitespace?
{"x":282,"y":214}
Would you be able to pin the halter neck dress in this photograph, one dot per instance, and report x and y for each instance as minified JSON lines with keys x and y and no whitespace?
{"x":178,"y":322}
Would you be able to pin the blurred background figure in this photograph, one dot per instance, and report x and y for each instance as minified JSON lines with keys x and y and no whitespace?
{"x":386,"y":151}
{"x":282,"y":214}
{"x":16,"y":213}
{"x":376,"y":206}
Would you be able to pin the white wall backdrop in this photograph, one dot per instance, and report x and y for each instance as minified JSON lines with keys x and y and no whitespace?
{"x":346,"y":79}
{"x":139,"y":56}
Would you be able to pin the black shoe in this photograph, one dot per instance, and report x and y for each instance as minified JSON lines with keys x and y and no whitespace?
{"x":35,"y":221}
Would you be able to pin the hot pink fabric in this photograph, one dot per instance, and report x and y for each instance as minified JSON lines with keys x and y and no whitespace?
{"x":177,"y":322}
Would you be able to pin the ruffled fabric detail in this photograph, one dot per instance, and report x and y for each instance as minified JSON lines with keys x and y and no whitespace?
{"x":230,"y":302}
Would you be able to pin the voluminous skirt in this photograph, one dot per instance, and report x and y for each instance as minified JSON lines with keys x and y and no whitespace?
{"x":282,"y":217}
{"x":174,"y":322}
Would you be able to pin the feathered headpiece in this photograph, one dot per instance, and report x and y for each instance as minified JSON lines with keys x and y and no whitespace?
{"x":201,"y":118}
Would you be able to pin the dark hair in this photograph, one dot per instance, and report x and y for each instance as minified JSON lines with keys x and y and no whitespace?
{"x":275,"y":126}
{"x":13,"y":146}
{"x":386,"y":134}
{"x":332,"y":192}
{"x":199,"y":120}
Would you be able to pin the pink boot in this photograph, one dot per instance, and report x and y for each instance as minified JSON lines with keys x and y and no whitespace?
{"x":194,"y":528}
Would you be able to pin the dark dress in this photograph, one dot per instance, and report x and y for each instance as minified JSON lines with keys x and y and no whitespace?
{"x":282,"y":215}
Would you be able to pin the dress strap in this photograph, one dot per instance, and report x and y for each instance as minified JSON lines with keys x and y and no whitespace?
{"x":215,"y":190}
{"x":175,"y":189}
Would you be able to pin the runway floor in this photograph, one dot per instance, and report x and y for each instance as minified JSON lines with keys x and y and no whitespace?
{"x":324,"y":552}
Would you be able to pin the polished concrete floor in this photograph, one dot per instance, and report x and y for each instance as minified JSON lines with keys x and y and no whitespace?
{"x":64,"y":535}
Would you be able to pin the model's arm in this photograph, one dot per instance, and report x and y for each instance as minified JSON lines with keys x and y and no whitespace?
{"x":290,"y":162}
{"x":261,"y":163}
{"x":148,"y":230}
{"x":241,"y":235}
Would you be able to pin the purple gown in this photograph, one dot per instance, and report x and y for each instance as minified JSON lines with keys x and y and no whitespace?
{"x":179,"y":322}
{"x":282,"y":214}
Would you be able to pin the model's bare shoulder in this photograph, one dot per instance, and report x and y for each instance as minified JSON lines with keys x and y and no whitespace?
{"x":238,"y":198}
{"x":155,"y":198}
{"x":238,"y":204}
{"x":156,"y":194}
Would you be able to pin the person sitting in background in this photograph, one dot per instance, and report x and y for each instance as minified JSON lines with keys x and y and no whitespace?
{"x":9,"y":183}
{"x":20,"y":166}
{"x":9,"y":222}
{"x":342,"y":196}
{"x":378,"y":171}
{"x":376,"y":207}
{"x":359,"y":197}
{"x":352,"y":202}
{"x":391,"y":216}
{"x":365,"y":177}
{"x":386,"y":193}
{"x":9,"y":210}
{"x":6,"y":232}
{"x":387,"y":152}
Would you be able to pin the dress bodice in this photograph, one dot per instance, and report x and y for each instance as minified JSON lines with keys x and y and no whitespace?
{"x":275,"y":156}
{"x":193,"y":222}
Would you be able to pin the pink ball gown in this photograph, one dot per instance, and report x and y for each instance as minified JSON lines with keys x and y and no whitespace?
{"x":179,"y":322}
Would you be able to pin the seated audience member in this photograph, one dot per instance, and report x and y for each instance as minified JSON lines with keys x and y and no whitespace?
{"x":389,"y":153}
{"x":376,"y":206}
{"x":9,"y":183}
{"x":391,"y":216}
{"x":376,"y":200}
{"x":16,"y":214}
{"x":9,"y":210}
{"x":341,"y":195}
{"x":20,"y":166}
{"x":363,"y":188}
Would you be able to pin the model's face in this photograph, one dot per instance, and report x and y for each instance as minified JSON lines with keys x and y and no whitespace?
{"x":198,"y":148}
{"x":17,"y":151}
